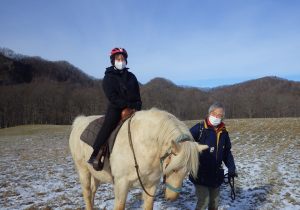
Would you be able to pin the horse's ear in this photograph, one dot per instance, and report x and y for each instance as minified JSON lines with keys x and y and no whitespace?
{"x":175,"y":147}
{"x":201,"y":147}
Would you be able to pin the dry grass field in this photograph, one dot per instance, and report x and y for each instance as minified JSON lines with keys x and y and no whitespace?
{"x":37,"y":171}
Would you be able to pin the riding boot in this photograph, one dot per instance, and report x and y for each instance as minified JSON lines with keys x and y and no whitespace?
{"x":111,"y":120}
{"x":97,"y":158}
{"x":93,"y":157}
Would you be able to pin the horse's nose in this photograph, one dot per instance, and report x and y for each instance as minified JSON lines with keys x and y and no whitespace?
{"x":171,"y":198}
{"x":168,"y":198}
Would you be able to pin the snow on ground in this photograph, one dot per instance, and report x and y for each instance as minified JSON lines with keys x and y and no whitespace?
{"x":37,"y":171}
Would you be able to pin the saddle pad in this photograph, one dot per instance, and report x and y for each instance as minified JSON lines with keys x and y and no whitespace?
{"x":90,"y":133}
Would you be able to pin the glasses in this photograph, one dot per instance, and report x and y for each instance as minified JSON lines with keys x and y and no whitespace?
{"x":218,"y":115}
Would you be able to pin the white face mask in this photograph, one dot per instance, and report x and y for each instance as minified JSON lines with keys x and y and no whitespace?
{"x":120,"y":65}
{"x":214,"y":120}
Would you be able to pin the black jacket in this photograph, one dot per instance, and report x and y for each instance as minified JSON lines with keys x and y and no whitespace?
{"x":210,"y":172}
{"x":122,"y":89}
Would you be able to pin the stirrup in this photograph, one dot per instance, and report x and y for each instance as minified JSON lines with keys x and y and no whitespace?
{"x":98,"y":164}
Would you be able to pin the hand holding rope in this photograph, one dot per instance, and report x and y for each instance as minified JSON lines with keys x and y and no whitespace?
{"x":230,"y":181}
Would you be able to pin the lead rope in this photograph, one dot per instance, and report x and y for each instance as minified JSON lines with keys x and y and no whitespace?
{"x":201,"y":128}
{"x":135,"y":162}
{"x":231,"y":184}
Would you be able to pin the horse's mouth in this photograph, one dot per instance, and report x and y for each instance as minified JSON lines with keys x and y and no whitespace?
{"x":173,"y":198}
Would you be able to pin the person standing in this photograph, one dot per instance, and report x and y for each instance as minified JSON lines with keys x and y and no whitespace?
{"x":210,"y":175}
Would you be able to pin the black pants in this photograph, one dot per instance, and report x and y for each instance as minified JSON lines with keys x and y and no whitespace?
{"x":111,"y":120}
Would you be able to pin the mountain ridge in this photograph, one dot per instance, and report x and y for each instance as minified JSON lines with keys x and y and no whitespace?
{"x":34,"y":90}
{"x":10,"y":54}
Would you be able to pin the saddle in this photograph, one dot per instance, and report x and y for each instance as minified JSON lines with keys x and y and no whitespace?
{"x":91,"y":131}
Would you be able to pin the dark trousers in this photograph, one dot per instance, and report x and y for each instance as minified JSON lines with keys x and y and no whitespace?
{"x":111,"y":120}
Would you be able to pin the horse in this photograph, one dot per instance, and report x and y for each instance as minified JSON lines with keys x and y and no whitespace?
{"x":162,"y":144}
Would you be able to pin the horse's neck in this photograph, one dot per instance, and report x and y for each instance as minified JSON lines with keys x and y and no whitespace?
{"x":165,"y":146}
{"x":165,"y":139}
{"x":165,"y":129}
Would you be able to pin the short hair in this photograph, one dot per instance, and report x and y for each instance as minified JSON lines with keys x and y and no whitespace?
{"x":216,"y":105}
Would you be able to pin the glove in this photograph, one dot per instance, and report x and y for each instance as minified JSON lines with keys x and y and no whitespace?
{"x":232,"y":174}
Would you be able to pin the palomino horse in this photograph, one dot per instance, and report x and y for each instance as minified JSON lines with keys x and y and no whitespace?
{"x":162,"y":144}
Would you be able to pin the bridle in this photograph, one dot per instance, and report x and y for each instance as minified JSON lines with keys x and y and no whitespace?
{"x":162,"y":159}
{"x":168,"y":155}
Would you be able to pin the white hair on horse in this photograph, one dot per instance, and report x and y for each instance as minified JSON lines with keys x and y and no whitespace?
{"x":188,"y":157}
{"x":176,"y":130}
{"x":82,"y":121}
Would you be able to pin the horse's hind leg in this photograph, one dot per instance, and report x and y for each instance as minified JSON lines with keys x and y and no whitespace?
{"x":85,"y":180}
{"x":94,"y":186}
{"x":148,"y":200}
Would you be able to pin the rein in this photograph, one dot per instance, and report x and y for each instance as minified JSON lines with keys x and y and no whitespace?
{"x":135,"y":161}
{"x":231,"y":184}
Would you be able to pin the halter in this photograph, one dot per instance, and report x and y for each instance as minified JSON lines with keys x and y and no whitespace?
{"x":169,"y":152}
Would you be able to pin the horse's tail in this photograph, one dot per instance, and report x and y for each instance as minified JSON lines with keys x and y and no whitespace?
{"x":78,"y":126}
{"x":78,"y":121}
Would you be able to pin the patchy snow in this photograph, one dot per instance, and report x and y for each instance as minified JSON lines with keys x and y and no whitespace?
{"x":37,"y":171}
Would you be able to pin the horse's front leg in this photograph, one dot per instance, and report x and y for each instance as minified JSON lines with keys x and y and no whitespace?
{"x":148,"y":200}
{"x":121,"y":188}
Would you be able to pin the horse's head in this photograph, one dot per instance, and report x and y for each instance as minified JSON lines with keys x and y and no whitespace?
{"x":181,"y":159}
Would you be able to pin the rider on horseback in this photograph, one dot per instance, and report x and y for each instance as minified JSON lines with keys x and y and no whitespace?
{"x":122,"y":91}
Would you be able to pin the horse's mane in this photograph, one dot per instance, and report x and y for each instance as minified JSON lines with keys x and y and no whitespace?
{"x":170,"y":128}
{"x":188,"y":158}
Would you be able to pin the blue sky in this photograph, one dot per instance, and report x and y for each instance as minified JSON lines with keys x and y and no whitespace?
{"x":194,"y":43}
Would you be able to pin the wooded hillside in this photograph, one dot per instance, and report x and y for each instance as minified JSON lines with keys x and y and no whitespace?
{"x":36,"y":91}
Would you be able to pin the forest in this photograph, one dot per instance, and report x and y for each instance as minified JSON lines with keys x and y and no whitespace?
{"x":37,"y":91}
